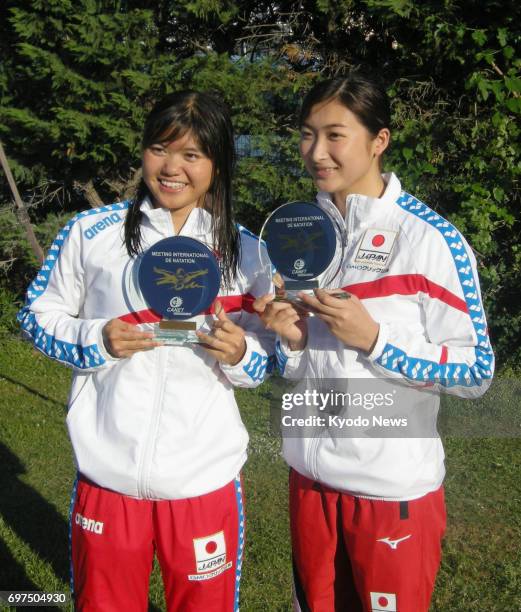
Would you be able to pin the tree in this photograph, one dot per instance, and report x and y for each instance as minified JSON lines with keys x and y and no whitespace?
{"x":79,"y":77}
{"x":21,"y":209}
{"x":78,"y":83}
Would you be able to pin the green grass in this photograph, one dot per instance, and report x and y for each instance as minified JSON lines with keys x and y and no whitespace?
{"x":481,"y":567}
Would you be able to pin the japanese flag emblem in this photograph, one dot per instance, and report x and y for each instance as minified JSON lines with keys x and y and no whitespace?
{"x":378,"y":241}
{"x":383,"y":602}
{"x":375,"y":248}
{"x":210,"y":552}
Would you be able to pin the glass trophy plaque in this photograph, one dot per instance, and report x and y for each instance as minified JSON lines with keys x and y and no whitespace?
{"x":179,"y":279}
{"x":302,"y":242}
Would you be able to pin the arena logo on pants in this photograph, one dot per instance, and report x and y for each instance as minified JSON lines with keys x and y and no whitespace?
{"x":89,"y":524}
{"x":210,"y":557}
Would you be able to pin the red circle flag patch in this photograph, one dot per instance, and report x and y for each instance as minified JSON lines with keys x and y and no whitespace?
{"x":211,"y":547}
{"x":383,"y":602}
{"x":378,"y":240}
{"x":375,"y":248}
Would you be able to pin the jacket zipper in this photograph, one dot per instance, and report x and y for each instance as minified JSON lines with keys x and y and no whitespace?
{"x":345,"y":225}
{"x":146,"y":455}
{"x":148,"y":448}
{"x":143,"y":483}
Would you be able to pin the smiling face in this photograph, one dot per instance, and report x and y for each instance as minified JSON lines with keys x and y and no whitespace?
{"x":340,"y":153}
{"x":178,"y":175}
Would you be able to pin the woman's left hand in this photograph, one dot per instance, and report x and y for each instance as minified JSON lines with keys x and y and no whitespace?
{"x":226,"y":342}
{"x":347,"y":319}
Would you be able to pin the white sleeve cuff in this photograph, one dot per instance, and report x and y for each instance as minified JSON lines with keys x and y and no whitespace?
{"x":226,"y":367}
{"x":101,"y":344}
{"x":284,"y":346}
{"x":381,"y":341}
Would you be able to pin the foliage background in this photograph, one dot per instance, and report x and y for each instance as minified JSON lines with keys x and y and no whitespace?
{"x":77,"y":79}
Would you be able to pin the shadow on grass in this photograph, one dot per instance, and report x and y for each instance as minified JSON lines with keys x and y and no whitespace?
{"x":12,"y":574}
{"x":33,"y":391}
{"x":14,"y":578}
{"x":37,"y":523}
{"x":32,"y":518}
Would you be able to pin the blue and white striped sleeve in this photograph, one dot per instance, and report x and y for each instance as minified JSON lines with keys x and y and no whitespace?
{"x":454,"y":354}
{"x":50,"y":315}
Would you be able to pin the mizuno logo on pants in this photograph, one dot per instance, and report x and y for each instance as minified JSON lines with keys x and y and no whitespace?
{"x":393,"y":543}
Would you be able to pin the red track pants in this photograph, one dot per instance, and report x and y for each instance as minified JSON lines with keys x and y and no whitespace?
{"x":199,"y":544}
{"x":353,"y":554}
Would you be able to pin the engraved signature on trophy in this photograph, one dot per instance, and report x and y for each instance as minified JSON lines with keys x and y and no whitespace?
{"x":180,"y":279}
{"x":303,"y":241}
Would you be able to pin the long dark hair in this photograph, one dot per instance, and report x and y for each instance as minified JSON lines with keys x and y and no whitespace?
{"x":363,"y":95}
{"x":208,"y":121}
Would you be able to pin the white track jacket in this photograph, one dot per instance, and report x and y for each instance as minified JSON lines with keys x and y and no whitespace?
{"x":417,"y":277}
{"x":162,"y":424}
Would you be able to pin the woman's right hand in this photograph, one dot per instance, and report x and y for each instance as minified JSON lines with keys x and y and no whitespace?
{"x":284,"y":319}
{"x":123,"y":339}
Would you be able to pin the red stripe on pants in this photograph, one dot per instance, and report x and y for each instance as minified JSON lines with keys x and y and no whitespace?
{"x":114,"y":538}
{"x":358,"y":554}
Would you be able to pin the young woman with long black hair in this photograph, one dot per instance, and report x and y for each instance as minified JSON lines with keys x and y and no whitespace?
{"x":156,"y":433}
{"x":367,"y":513}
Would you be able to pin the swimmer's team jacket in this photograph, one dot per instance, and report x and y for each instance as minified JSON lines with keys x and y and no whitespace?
{"x":164,"y":423}
{"x":416,"y":275}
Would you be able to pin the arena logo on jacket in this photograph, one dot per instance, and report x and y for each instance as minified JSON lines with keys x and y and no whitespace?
{"x":375,"y":249}
{"x":101,"y":225}
{"x":210,"y":557}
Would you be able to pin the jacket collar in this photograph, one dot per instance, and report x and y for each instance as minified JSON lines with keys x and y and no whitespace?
{"x":197,"y":225}
{"x":365,"y":204}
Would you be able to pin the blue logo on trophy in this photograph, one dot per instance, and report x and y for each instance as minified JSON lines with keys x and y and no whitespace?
{"x":179,"y":278}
